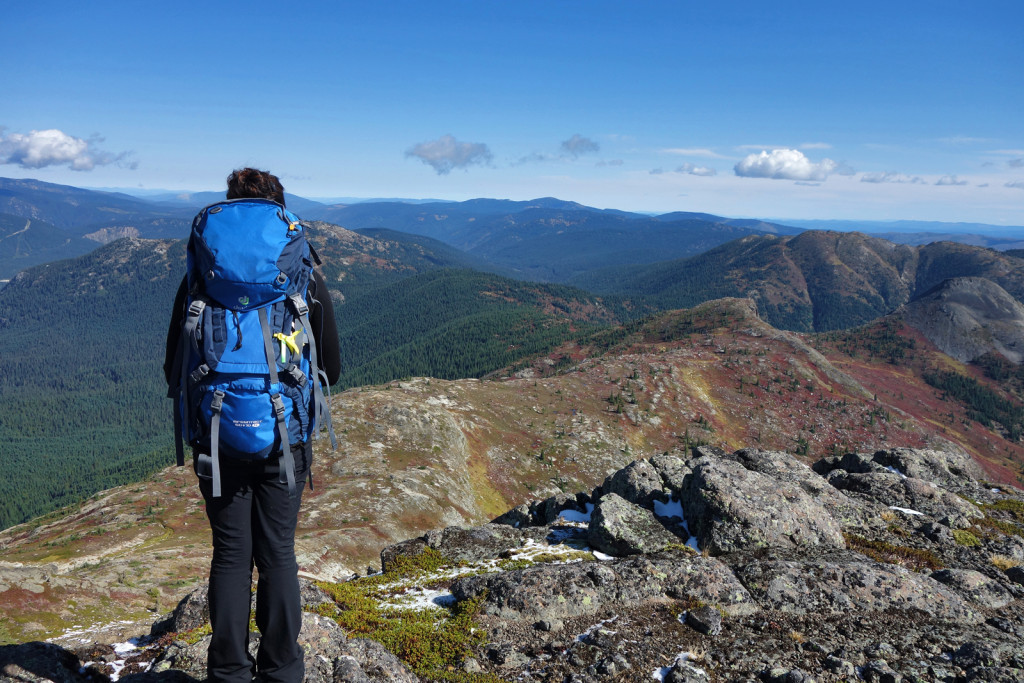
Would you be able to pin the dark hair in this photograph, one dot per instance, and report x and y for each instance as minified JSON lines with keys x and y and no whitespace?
{"x":249,"y":183}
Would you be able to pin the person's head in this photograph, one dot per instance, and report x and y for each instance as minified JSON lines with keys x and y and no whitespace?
{"x":249,"y":183}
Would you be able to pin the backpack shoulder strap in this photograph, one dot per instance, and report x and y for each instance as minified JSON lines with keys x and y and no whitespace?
{"x":321,"y":406}
{"x":179,"y":369}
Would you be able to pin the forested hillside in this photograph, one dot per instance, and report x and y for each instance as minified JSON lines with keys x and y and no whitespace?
{"x":458,"y":323}
{"x":81,"y":350}
{"x":80,"y":212}
{"x":25,"y":242}
{"x":814,"y":281}
{"x":82,"y":346}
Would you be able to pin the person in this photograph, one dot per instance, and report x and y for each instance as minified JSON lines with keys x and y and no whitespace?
{"x":253,"y":520}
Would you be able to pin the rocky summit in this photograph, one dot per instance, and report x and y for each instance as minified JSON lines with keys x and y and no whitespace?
{"x":693,"y":565}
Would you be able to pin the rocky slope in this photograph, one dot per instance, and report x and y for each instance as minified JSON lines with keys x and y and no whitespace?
{"x":698,"y":565}
{"x":968,"y":317}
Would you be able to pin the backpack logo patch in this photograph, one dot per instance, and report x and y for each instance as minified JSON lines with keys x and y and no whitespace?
{"x":243,"y":300}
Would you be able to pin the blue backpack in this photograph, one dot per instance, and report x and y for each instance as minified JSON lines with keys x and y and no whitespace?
{"x":249,"y":384}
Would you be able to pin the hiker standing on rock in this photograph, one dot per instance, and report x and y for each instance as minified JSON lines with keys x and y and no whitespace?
{"x":251,"y":347}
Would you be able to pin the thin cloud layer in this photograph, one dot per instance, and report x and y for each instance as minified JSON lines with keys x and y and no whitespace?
{"x":577,"y":145}
{"x":694,"y":152}
{"x":950,"y":180}
{"x":890,"y":177}
{"x":784,"y":164}
{"x":447,"y":153}
{"x":52,"y":147}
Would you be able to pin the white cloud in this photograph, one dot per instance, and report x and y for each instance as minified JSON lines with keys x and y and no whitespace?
{"x":890,"y":177}
{"x":447,"y":153}
{"x":656,"y":171}
{"x":950,"y":180}
{"x":611,"y":162}
{"x":784,"y":164}
{"x":1015,"y":163}
{"x":1016,"y":186}
{"x":52,"y":147}
{"x":577,"y":145}
{"x":693,"y":169}
{"x":815,"y":145}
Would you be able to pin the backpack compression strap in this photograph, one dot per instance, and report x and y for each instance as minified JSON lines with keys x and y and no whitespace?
{"x":215,"y":407}
{"x":287,"y":460}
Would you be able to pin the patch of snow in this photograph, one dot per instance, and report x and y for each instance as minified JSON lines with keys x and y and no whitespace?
{"x":376,"y":445}
{"x":659,"y":674}
{"x":422,"y":598}
{"x":996,"y":491}
{"x":576,"y":515}
{"x":596,"y":626}
{"x":674,"y":508}
{"x":905,"y":511}
{"x":601,"y":556}
{"x":896,"y":471}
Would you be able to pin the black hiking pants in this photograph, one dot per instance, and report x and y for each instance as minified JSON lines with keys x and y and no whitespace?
{"x":253,"y":523}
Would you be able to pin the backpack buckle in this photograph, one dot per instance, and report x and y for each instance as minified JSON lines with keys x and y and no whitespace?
{"x":278,"y":405}
{"x":300,"y":305}
{"x":218,"y":401}
{"x":199,"y":373}
{"x":296,"y":373}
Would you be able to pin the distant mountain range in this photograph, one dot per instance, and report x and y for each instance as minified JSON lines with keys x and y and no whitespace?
{"x":544,"y":239}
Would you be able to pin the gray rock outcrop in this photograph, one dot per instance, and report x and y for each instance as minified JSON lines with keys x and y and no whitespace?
{"x":694,"y":566}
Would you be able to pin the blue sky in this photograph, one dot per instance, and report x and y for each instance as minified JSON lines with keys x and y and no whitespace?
{"x":873,"y":110}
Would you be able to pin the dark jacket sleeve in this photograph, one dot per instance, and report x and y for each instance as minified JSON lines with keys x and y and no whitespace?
{"x":325,"y":329}
{"x":174,"y":331}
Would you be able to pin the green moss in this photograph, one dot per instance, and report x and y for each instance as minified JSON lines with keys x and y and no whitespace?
{"x":431,"y":642}
{"x":880,"y":551}
{"x":965,"y":538}
{"x":1014,"y":507}
{"x":194,"y":635}
{"x":406,"y":565}
{"x":6,"y":636}
{"x":680,"y":546}
{"x":512,"y":565}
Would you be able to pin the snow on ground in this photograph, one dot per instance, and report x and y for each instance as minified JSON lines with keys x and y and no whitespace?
{"x":905,"y":511}
{"x":124,"y":650}
{"x":421,"y":598}
{"x":893,"y":469}
{"x":682,"y":657}
{"x":577,"y":516}
{"x":674,"y":508}
{"x":596,"y":626}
